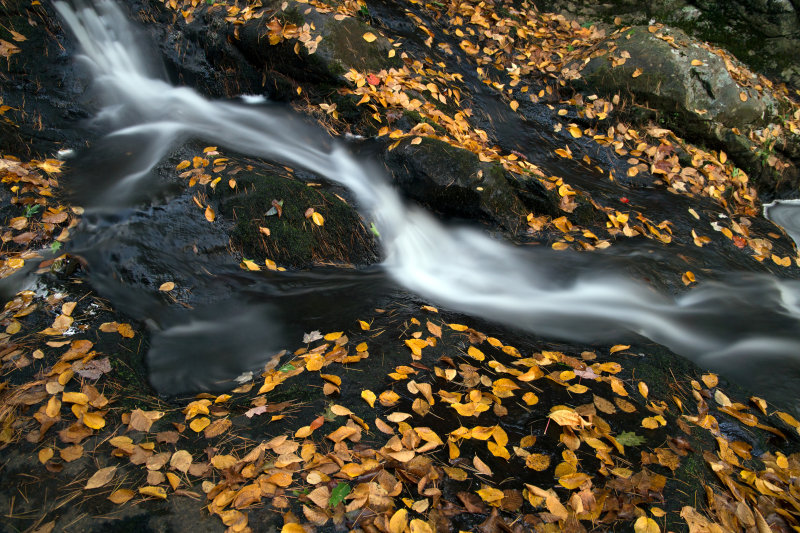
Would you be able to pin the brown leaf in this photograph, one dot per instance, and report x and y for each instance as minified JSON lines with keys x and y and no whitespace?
{"x":100,"y":478}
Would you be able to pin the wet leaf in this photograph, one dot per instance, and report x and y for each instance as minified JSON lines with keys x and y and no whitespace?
{"x":100,"y":478}
{"x":318,"y":219}
{"x":45,"y":454}
{"x":514,"y":105}
{"x":629,"y":438}
{"x":121,"y":496}
{"x":154,"y":492}
{"x":491,"y":495}
{"x":619,"y":348}
{"x":181,"y":461}
{"x":369,"y":397}
{"x":338,"y":494}
{"x":369,"y":37}
{"x":210,"y":216}
{"x":644,"y":524}
{"x":199,"y":424}
{"x":167,"y":286}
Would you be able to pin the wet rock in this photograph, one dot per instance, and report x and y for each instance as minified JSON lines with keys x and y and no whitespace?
{"x":763,"y":33}
{"x":672,"y":81}
{"x":342,"y":46}
{"x":454,"y":182}
{"x":294,"y":240}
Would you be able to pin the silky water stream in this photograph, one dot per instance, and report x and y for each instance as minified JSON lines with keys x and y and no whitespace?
{"x":747,"y":327}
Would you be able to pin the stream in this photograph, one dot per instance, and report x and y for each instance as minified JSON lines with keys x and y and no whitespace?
{"x":745,"y":326}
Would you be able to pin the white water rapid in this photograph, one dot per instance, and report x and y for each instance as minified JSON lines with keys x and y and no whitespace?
{"x":461,"y":269}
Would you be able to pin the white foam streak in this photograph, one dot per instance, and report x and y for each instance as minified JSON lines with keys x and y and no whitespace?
{"x":462,"y":269}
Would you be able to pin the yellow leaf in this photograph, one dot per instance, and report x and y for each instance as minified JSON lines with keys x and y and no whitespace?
{"x":292,"y":527}
{"x":199,"y":424}
{"x":399,"y":521}
{"x":560,"y":246}
{"x":174,"y":480}
{"x":364,"y":325}
{"x":155,"y":492}
{"x":475,"y":353}
{"x":75,"y":397}
{"x":45,"y":454}
{"x":333,"y":336}
{"x":688,"y":277}
{"x":643,"y":389}
{"x":121,"y":496}
{"x":710,"y":380}
{"x":619,"y":348}
{"x":183,"y":164}
{"x":696,"y":62}
{"x":270,"y":264}
{"x":166,"y":287}
{"x":318,"y":219}
{"x":530,"y":398}
{"x":416,"y":140}
{"x":16,"y":262}
{"x":538,"y":462}
{"x":514,"y":105}
{"x":575,"y":131}
{"x":636,"y":73}
{"x":491,"y":495}
{"x":369,"y":37}
{"x":574,"y":480}
{"x":93,"y":420}
{"x":369,"y":397}
{"x":743,"y":96}
{"x":644,"y":524}
{"x":458,"y":327}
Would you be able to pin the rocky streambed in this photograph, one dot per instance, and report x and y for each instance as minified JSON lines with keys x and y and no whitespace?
{"x":328,"y":391}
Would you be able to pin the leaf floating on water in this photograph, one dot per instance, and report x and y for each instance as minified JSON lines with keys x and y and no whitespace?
{"x":209,"y":213}
{"x":369,"y":37}
{"x":514,"y":105}
{"x":167,"y":286}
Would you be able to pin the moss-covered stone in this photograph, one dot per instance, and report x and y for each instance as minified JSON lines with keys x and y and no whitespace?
{"x":294,"y":240}
{"x":454,"y":182}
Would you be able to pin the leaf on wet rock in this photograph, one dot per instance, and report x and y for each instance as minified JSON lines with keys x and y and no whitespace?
{"x":100,"y":478}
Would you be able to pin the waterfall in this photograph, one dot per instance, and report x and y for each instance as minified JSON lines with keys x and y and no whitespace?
{"x":748,"y":318}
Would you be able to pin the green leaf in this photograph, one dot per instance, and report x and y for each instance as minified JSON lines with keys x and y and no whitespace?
{"x":56,"y":246}
{"x":374,"y":230}
{"x":288,"y":367}
{"x":338,"y":494}
{"x":629,"y":438}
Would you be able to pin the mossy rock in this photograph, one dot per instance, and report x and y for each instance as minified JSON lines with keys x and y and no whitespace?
{"x":454,"y":182}
{"x":294,"y":240}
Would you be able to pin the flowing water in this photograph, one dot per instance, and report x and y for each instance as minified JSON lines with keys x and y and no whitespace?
{"x":741,"y":326}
